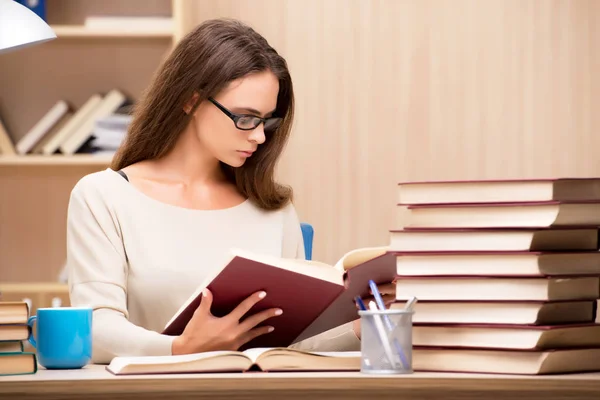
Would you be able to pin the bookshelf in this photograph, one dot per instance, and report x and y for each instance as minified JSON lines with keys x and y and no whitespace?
{"x":56,"y":160}
{"x":82,"y":61}
{"x":76,"y":31}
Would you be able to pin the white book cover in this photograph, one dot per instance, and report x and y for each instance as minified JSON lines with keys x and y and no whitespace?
{"x":109,"y":104}
{"x":37,"y":132}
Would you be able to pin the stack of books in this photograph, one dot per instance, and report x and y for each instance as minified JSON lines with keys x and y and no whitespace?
{"x":13,"y":331}
{"x":507,"y":274}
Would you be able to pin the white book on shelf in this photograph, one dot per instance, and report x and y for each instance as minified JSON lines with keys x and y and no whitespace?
{"x":109,"y":104}
{"x":6,"y":145}
{"x":71,"y":125}
{"x":129,"y":22}
{"x":45,"y":124}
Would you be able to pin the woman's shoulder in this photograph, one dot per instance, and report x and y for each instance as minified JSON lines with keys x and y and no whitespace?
{"x":100,"y":183}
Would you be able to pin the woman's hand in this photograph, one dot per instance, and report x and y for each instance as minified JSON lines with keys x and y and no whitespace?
{"x":388,"y":294}
{"x":205,"y":332}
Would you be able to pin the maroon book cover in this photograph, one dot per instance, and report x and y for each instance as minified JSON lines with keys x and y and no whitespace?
{"x":381,"y":270}
{"x":302,"y":298}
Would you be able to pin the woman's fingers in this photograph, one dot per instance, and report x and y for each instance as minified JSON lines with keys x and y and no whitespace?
{"x":388,"y":299}
{"x":257,"y":318}
{"x":388,"y":288}
{"x":246,"y":305}
{"x":253,"y":334}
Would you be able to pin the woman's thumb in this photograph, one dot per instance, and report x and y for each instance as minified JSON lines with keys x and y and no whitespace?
{"x":205,"y":301}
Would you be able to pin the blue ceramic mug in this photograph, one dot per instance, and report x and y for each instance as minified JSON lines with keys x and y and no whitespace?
{"x":64,"y":337}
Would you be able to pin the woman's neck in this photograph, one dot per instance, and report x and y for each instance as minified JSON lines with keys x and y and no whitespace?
{"x":190,"y":162}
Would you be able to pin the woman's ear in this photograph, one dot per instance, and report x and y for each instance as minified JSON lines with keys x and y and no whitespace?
{"x":191,"y":103}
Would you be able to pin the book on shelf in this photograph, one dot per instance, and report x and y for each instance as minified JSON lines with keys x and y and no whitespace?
{"x":507,"y":273}
{"x":13,"y":331}
{"x":490,"y":239}
{"x":7,"y":148}
{"x":71,"y":126}
{"x":129,"y":22}
{"x":315,"y":297}
{"x":507,"y":336}
{"x":13,"y":312}
{"x":42,"y":127}
{"x":83,"y":132}
{"x":503,"y":361}
{"x":18,"y":363}
{"x":255,"y":359}
{"x":49,"y":137}
{"x":501,"y":215}
{"x":498,"y":191}
{"x":518,"y":263}
{"x":480,"y":288}
{"x":11,"y":346}
{"x":503,"y":312}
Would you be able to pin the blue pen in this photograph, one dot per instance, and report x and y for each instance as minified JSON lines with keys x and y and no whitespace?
{"x":386,"y":320}
{"x":361,"y":303}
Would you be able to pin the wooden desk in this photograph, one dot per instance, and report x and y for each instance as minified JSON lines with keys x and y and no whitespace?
{"x":94,"y":382}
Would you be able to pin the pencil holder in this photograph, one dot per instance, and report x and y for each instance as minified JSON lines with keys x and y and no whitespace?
{"x":386,"y":341}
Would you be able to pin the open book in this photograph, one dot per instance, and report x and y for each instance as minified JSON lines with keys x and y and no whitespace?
{"x":315,"y":297}
{"x":262,"y":359}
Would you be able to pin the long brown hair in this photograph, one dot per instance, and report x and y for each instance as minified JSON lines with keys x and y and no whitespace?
{"x":203,"y":62}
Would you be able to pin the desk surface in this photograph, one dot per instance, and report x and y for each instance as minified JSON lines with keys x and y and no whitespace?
{"x":94,"y":382}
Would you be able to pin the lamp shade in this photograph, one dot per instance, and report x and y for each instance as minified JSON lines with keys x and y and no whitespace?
{"x":21,"y":27}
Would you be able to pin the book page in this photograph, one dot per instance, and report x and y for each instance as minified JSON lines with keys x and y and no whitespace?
{"x":118,"y":363}
{"x":358,"y":256}
{"x":255,"y":353}
{"x":311,"y":268}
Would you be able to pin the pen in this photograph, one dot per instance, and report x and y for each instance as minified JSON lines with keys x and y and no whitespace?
{"x":410,"y":304}
{"x":361,"y":304}
{"x":382,"y":335}
{"x":378,"y":328}
{"x":386,"y":320}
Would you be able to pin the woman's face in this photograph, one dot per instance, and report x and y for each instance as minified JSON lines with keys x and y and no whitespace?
{"x":254,"y":95}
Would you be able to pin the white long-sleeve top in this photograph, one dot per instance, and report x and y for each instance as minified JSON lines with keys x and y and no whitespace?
{"x":136,"y":260}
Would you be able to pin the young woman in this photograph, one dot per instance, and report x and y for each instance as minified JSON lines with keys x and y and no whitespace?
{"x":193,"y":178}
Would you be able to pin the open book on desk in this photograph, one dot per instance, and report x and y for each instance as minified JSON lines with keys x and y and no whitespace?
{"x":257,"y":359}
{"x":315,"y":297}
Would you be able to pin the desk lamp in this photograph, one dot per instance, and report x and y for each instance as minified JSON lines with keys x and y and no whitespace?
{"x":20,"y":27}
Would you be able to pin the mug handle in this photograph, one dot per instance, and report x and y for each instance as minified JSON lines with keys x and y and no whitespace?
{"x":30,"y":322}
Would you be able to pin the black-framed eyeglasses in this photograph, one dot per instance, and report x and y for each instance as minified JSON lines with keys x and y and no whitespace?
{"x":248,"y":122}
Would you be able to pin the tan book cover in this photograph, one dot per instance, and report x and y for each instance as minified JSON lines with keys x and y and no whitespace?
{"x":497,"y":191}
{"x":71,"y":125}
{"x":518,"y":263}
{"x":7,"y":147}
{"x":502,"y":312}
{"x":497,"y":288}
{"x":522,"y":362}
{"x":50,"y":134}
{"x":508,"y":336}
{"x":35,"y":134}
{"x":501,"y":215}
{"x":80,"y":134}
{"x":487,"y":239}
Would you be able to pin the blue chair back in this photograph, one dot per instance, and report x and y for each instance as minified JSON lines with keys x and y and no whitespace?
{"x":307,"y":234}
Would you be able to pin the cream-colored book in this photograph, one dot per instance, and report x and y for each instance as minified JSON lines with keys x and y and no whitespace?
{"x":69,"y":128}
{"x":39,"y":146}
{"x":45,"y":124}
{"x":109,"y":104}
{"x":6,"y":144}
{"x":263,"y":359}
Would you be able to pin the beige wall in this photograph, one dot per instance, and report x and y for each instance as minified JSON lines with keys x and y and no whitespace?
{"x":396,"y":90}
